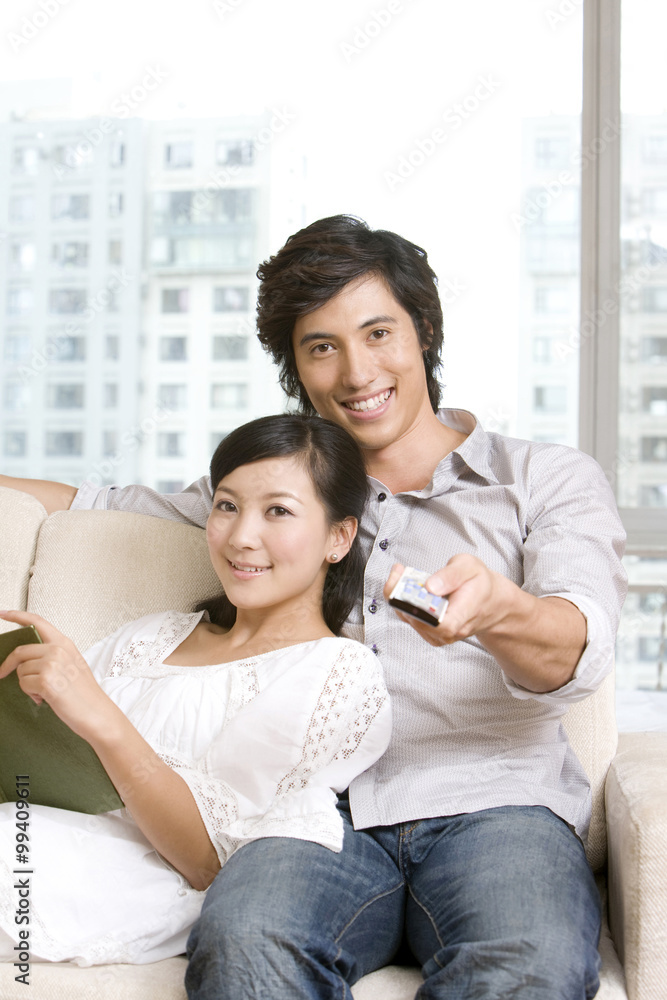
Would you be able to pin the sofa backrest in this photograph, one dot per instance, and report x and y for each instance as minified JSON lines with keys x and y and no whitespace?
{"x":92,"y":571}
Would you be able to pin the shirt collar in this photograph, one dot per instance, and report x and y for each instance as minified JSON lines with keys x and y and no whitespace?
{"x":476,"y":451}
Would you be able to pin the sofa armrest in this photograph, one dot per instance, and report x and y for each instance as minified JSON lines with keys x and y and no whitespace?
{"x":636,"y":806}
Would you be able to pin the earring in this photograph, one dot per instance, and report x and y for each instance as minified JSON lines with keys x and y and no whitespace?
{"x":333,"y":557}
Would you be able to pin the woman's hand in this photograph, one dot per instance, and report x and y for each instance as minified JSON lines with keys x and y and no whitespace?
{"x":54,"y":671}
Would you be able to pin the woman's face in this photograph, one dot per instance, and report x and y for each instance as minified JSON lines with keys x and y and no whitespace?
{"x":268,"y":536}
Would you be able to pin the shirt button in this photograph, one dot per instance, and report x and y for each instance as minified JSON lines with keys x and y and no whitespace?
{"x":372,"y":607}
{"x":375,"y":648}
{"x":382,"y":496}
{"x":384,"y":544}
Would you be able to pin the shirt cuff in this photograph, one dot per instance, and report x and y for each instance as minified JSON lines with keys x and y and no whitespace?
{"x":90,"y":497}
{"x":594,"y":665}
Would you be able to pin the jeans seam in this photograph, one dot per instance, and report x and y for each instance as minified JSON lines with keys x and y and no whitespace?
{"x":430,"y":920}
{"x":369,"y":902}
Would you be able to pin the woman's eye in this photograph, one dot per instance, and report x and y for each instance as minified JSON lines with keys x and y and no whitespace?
{"x":226,"y":505}
{"x":278,"y":511}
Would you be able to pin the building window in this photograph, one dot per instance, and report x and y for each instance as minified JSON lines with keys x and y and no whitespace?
{"x":655,"y":148}
{"x":22,"y":256}
{"x":15,"y":444}
{"x":542,"y":350}
{"x":110,"y":395}
{"x":116,"y":204}
{"x":115,"y":253}
{"x":63,"y":444}
{"x":654,"y":400}
{"x":230,"y":395}
{"x":173,"y":348}
{"x":69,"y":348}
{"x":178,"y":155}
{"x":215,"y":438}
{"x":112,"y":347}
{"x":17,"y":347}
{"x":19,"y":301}
{"x":16,"y":396}
{"x":67,"y":301}
{"x":649,"y":648}
{"x":552,"y":299}
{"x":73,"y":157}
{"x":654,"y":201}
{"x":109,"y":443}
{"x":117,"y":154}
{"x":22,"y":208}
{"x":653,"y":496}
{"x":70,"y":254}
{"x":231,"y":298}
{"x":172,"y":397}
{"x":231,"y":205}
{"x":654,"y":350}
{"x":230,"y":348}
{"x":235,"y":152}
{"x":550,"y":399}
{"x":70,"y":206}
{"x":654,"y":449}
{"x":175,"y":300}
{"x":170,"y":444}
{"x":65,"y":396}
{"x":552,"y":152}
{"x":170,"y":486}
{"x":25,"y":160}
{"x":655,"y":299}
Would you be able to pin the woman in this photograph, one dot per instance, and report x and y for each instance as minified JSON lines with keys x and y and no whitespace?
{"x":238,"y":721}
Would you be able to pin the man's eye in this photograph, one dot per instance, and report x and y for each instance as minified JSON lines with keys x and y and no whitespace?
{"x":379,"y":334}
{"x":322,"y":348}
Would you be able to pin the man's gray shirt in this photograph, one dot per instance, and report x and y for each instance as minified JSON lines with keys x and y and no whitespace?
{"x":465,"y":736}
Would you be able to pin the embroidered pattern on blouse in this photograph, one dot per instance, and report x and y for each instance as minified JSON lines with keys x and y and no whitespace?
{"x":152,"y":651}
{"x":332,"y":709}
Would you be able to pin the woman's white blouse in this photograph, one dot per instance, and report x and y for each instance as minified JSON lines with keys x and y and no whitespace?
{"x":263,"y":743}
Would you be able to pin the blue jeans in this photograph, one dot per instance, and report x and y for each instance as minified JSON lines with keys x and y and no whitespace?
{"x":494,"y":904}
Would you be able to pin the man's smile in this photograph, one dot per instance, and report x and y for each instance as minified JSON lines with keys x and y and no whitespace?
{"x":369,"y":403}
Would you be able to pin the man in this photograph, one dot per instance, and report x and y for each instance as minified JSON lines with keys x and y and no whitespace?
{"x":465,"y":839}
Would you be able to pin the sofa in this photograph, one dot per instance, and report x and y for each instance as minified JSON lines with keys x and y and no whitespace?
{"x":90,"y":571}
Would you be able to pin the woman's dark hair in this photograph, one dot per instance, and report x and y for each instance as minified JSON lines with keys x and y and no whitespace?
{"x":317,"y":263}
{"x":335,"y":465}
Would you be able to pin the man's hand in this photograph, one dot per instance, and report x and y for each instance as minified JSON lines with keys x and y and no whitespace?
{"x":54,"y":671}
{"x":52,"y":496}
{"x":537,"y":641}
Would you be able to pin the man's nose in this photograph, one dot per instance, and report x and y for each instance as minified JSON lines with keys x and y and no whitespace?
{"x":359,"y":368}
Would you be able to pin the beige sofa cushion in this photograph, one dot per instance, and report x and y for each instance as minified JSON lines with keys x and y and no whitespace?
{"x":18,"y":547}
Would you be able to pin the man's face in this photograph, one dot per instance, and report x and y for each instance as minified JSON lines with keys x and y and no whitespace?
{"x":360,"y":361}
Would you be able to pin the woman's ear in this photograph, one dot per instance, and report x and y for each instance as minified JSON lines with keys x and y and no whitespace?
{"x":428,"y":335}
{"x":341,"y":538}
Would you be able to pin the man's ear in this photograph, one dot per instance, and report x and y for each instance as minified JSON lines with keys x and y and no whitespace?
{"x":341,"y":538}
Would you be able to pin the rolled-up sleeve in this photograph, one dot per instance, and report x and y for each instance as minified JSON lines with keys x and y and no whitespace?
{"x":190,"y":506}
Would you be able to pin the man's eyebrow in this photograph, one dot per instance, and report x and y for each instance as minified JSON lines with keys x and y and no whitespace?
{"x":321,"y":335}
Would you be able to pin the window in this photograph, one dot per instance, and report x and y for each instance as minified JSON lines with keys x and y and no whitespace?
{"x":63,"y":444}
{"x":110,"y":395}
{"x":109,"y":443}
{"x":15,"y":444}
{"x":170,"y":485}
{"x":655,"y":299}
{"x":117,"y":154}
{"x":172,"y":397}
{"x":649,"y":648}
{"x":68,"y":348}
{"x":175,"y":300}
{"x":654,"y":201}
{"x":654,"y":449}
{"x":552,"y":152}
{"x":22,"y":208}
{"x":67,"y":300}
{"x":173,"y":348}
{"x":653,"y":496}
{"x":70,"y":206}
{"x":554,"y":299}
{"x":16,"y":396}
{"x":654,"y":350}
{"x":215,"y":438}
{"x":69,"y":396}
{"x":112,"y":347}
{"x":231,"y":299}
{"x":655,"y":148}
{"x":70,"y":254}
{"x":178,"y":155}
{"x":654,"y":400}
{"x":19,"y":301}
{"x":229,"y":396}
{"x":170,"y":444}
{"x":17,"y":347}
{"x":116,"y":204}
{"x":115,"y":252}
{"x":542,"y":350}
{"x":73,"y":157}
{"x":550,"y":398}
{"x":235,"y":152}
{"x":230,"y":348}
{"x":25,"y":160}
{"x":22,"y":256}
